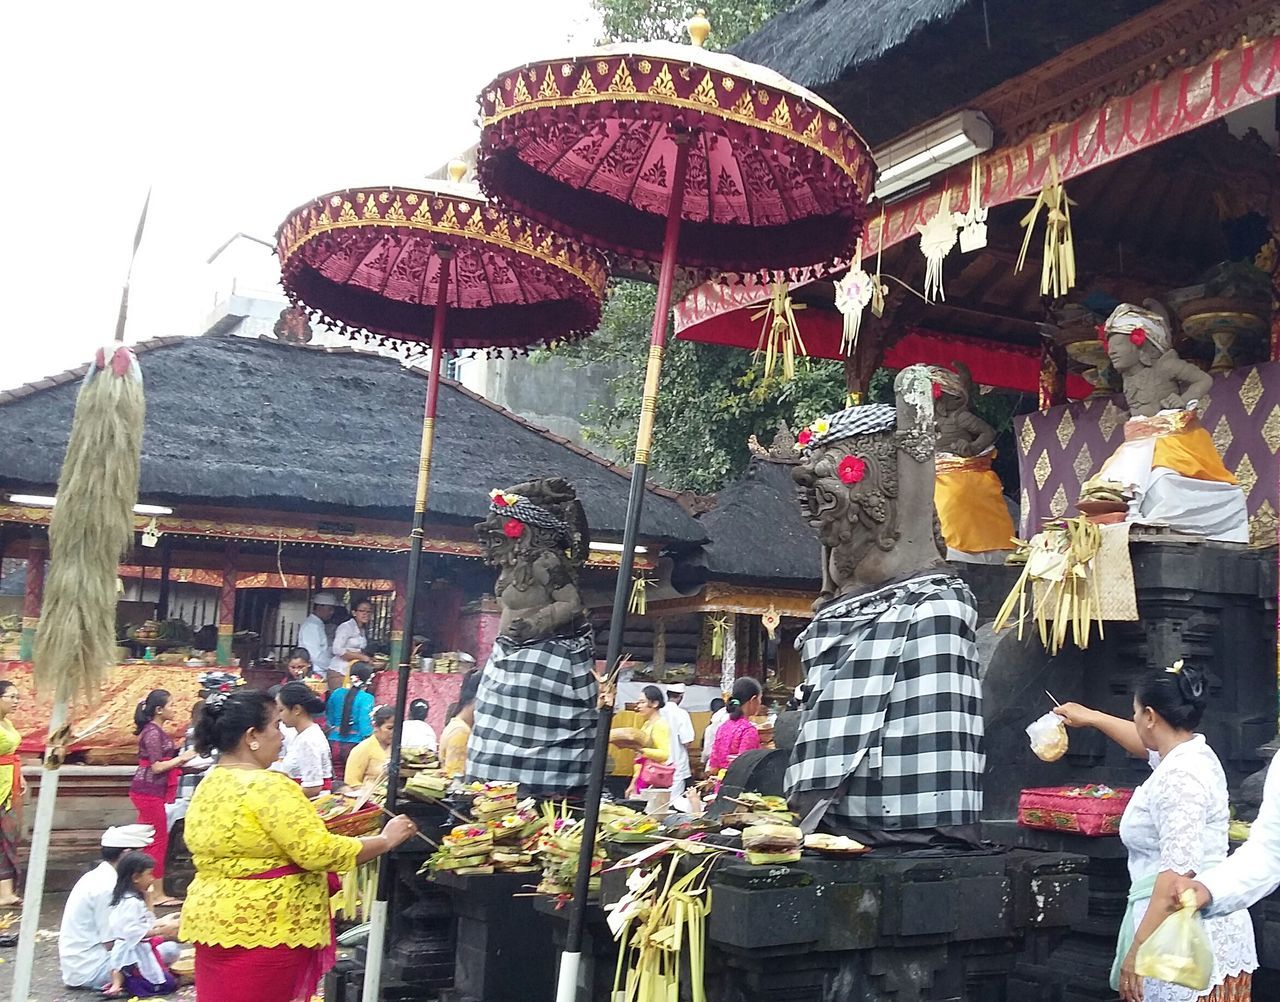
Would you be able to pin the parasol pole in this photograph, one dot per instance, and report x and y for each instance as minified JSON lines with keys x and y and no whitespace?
{"x":571,"y":959}
{"x":376,"y":945}
{"x":92,"y":527}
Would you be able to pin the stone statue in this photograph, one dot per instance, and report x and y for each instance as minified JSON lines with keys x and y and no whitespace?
{"x":1155,"y":378}
{"x":537,"y":536}
{"x":1167,"y":463}
{"x":535,"y":711}
{"x":972,"y":514}
{"x":890,"y":743}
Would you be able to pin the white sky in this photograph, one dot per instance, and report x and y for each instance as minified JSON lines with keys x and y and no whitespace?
{"x":234,"y":112}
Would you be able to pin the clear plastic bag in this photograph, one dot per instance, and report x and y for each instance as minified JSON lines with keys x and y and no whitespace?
{"x":1178,"y":951}
{"x":1048,"y":736}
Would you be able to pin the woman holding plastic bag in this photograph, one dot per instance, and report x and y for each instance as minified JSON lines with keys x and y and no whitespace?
{"x":1176,"y":824}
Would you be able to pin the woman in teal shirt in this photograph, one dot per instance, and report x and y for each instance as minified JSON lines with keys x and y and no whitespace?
{"x":350,"y":715}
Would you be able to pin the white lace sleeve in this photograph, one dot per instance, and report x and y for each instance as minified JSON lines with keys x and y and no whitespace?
{"x":1180,"y":805}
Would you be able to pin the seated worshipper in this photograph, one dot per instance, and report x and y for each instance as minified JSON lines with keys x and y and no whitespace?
{"x":312,"y":634}
{"x":349,"y":642}
{"x":1167,"y":458}
{"x":417,"y":733}
{"x":84,"y":954}
{"x":307,"y":759}
{"x":974,"y":518}
{"x":655,"y":742}
{"x":457,"y":732}
{"x":139,"y":960}
{"x":367,"y":762}
{"x":299,"y":666}
{"x":737,"y":734}
{"x":349,"y":714}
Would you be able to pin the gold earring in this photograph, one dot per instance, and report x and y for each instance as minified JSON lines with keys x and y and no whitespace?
{"x":253,"y":746}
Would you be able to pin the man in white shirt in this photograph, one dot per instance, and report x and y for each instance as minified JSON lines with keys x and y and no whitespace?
{"x":84,"y":945}
{"x":719,"y":714}
{"x":1252,"y":871}
{"x":312,"y":634}
{"x":681,"y":726}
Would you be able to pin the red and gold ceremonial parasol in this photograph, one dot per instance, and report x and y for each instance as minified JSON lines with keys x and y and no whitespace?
{"x":405,"y":264}
{"x":671,"y":155}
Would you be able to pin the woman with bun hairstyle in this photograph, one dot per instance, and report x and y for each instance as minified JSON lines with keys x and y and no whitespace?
{"x":737,"y":734}
{"x":349,"y":714}
{"x":1175,"y":825}
{"x":258,"y":909}
{"x":155,"y":783}
{"x":306,"y":759}
{"x":655,"y":737}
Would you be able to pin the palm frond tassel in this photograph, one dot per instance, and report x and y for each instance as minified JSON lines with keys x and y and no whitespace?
{"x":780,"y":334}
{"x":1058,"y":268}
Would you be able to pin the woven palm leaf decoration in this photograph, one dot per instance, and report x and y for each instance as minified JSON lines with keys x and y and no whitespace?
{"x":937,"y":238}
{"x":780,"y":334}
{"x":1058,"y":269}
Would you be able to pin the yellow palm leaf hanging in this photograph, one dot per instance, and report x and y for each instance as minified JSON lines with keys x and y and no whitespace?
{"x":780,"y":335}
{"x":1058,"y":269}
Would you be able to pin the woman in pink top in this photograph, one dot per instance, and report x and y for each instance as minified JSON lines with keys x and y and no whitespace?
{"x":737,"y":734}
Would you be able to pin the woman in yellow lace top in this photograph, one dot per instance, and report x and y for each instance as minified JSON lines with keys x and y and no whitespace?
{"x":258,"y":909}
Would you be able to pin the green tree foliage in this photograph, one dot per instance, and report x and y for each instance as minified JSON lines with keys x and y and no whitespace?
{"x":712,"y":397}
{"x":647,"y":20}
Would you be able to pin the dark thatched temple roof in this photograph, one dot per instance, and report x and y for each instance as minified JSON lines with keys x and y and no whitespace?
{"x":236,"y":421}
{"x":891,"y":65}
{"x":758,"y":534}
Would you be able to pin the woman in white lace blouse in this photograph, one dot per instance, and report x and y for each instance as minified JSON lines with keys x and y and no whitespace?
{"x":1176,"y":824}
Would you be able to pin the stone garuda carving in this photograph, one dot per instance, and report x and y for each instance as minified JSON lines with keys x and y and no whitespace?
{"x":535,"y":717}
{"x":890,"y":742}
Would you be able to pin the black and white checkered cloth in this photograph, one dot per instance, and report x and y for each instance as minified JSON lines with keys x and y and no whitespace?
{"x":536,"y":715}
{"x":865,"y":419}
{"x":896,"y":704}
{"x":524,"y":510}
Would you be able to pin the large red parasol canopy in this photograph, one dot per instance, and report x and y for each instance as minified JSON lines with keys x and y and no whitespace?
{"x":776,"y":178}
{"x":370,"y":259}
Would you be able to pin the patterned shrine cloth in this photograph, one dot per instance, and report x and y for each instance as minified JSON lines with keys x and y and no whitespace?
{"x":536,"y":715}
{"x":895,"y":707}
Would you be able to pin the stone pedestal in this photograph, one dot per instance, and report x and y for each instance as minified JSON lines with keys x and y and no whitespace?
{"x":502,"y":950}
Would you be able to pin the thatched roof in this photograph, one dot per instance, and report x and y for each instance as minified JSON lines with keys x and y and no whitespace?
{"x":242,"y":422}
{"x":891,"y":65}
{"x":758,"y":533}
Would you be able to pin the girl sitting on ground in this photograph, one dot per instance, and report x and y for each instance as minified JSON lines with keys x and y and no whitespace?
{"x":139,"y":961}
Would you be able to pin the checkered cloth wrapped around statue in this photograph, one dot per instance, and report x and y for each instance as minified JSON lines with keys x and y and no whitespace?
{"x":895,"y":705}
{"x":536,"y":716}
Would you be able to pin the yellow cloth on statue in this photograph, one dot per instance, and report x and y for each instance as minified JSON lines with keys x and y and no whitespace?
{"x":1191,"y":453}
{"x":9,"y":740}
{"x":248,"y":821}
{"x":970,"y":503}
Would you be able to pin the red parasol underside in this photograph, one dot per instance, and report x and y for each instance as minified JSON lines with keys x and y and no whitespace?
{"x":776,"y":178}
{"x":369,"y":259}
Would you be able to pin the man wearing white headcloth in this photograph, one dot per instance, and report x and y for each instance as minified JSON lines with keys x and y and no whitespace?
{"x":1167,"y":458}
{"x":84,"y":949}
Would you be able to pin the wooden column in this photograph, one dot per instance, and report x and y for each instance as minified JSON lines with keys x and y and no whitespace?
{"x":227,"y":606}
{"x":33,"y":596}
{"x":399,"y":651}
{"x":660,"y":643}
{"x":166,"y":564}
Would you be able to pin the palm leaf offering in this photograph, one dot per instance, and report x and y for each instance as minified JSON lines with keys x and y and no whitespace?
{"x":1058,"y":268}
{"x":780,"y":334}
{"x":1061,"y":576}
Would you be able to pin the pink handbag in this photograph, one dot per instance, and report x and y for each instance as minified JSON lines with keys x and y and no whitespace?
{"x":653,"y":774}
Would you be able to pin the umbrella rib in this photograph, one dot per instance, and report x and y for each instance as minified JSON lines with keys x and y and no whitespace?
{"x":493,"y":296}
{"x":782,"y":195}
{"x":360,"y":258}
{"x":635,"y":180}
{"x":600,"y":160}
{"x":382,"y":290}
{"x":426,"y":270}
{"x":706,"y":159}
{"x":746,"y":193}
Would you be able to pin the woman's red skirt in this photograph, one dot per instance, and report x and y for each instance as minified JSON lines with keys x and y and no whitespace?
{"x":260,"y":973}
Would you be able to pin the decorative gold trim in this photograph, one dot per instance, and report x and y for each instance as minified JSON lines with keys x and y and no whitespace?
{"x":623,"y":88}
{"x":649,"y":404}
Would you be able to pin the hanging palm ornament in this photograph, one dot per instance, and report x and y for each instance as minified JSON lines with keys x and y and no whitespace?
{"x":1058,"y":268}
{"x":937,"y":238}
{"x":780,"y":334}
{"x":973,"y":223}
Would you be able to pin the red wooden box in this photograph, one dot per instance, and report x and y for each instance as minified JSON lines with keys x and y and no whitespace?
{"x":1056,"y":809}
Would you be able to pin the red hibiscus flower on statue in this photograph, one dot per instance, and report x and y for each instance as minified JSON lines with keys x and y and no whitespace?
{"x":937,"y":391}
{"x":1138,"y":337}
{"x":513,"y":528}
{"x":804,"y":438}
{"x":851,"y":470}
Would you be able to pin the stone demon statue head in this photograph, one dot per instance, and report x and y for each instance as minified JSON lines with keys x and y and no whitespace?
{"x":536,"y":535}
{"x":866,"y":480}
